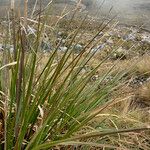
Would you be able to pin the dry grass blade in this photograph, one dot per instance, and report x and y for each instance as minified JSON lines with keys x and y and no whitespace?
{"x":8,"y":65}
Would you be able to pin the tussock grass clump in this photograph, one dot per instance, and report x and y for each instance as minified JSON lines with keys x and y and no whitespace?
{"x":143,"y":67}
{"x":48,"y":99}
{"x":142,"y":97}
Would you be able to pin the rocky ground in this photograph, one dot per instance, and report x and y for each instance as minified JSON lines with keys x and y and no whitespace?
{"x":123,"y":43}
{"x":125,"y":46}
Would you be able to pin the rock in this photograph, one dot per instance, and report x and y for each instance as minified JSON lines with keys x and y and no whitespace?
{"x":138,"y":38}
{"x":62,"y":34}
{"x":110,"y":42}
{"x":120,"y":54}
{"x":94,"y":78}
{"x":148,"y":79}
{"x":58,"y":40}
{"x":111,"y":33}
{"x":146,"y":38}
{"x":129,"y":37}
{"x":101,"y":33}
{"x":78,"y":48}
{"x":134,"y":30}
{"x":63,"y":41}
{"x":11,"y":49}
{"x":46,"y":46}
{"x":98,"y":48}
{"x":7,"y":47}
{"x":139,"y":80}
{"x":63,"y":49}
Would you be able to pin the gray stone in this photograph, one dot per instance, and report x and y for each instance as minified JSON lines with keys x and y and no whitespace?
{"x":7,"y":47}
{"x":145,"y":38}
{"x":94,"y":78}
{"x":11,"y":49}
{"x":78,"y":48}
{"x":101,"y":33}
{"x":139,"y":80}
{"x":110,"y":42}
{"x":60,"y":41}
{"x":63,"y":41}
{"x":46,"y":46}
{"x":1,"y":47}
{"x":98,"y":48}
{"x":62,"y":34}
{"x":120,"y":53}
{"x":63,"y":49}
{"x":129,"y":37}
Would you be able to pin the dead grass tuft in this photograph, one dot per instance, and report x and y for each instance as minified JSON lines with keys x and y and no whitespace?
{"x":142,"y":96}
{"x":143,"y":67}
